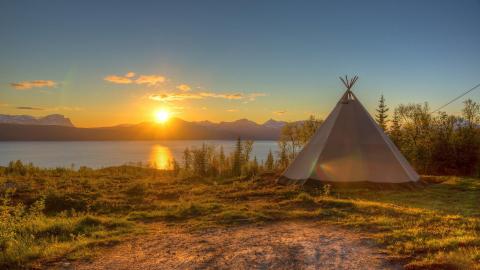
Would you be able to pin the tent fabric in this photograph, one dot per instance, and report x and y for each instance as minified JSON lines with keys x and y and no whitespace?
{"x":350,"y":147}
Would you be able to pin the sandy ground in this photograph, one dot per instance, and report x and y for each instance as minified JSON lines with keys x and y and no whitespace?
{"x":289,"y":245}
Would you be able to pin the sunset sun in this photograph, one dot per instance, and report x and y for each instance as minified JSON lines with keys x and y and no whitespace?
{"x":162,"y":116}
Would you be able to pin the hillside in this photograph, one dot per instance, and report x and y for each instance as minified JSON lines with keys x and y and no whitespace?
{"x":49,"y":120}
{"x":140,"y":218}
{"x":175,"y":129}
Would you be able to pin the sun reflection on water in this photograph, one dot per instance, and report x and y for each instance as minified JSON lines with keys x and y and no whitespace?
{"x":161,"y":157}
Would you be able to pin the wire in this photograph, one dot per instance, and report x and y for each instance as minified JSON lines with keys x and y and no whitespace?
{"x":455,"y":99}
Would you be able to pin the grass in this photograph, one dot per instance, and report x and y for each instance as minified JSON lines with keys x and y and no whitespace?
{"x":52,"y":214}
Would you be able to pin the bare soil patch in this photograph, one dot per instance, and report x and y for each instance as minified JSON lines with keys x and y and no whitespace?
{"x":286,"y":245}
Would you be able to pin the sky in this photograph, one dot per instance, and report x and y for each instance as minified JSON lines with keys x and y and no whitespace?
{"x":103,"y":63}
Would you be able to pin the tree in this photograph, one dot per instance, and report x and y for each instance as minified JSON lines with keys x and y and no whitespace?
{"x":381,"y":116}
{"x":237,"y":158}
{"x":269,"y":163}
{"x":283,"y":159}
{"x":175,"y":167}
{"x":254,"y":166}
{"x":247,"y":149}
{"x":471,"y":113}
{"x":443,"y":158}
{"x":395,"y":133}
{"x":221,"y":160}
{"x":290,"y":139}
{"x":295,"y":135}
{"x":200,"y":161}
{"x":187,"y":159}
{"x":416,"y":133}
{"x":468,"y":141}
{"x":307,"y":129}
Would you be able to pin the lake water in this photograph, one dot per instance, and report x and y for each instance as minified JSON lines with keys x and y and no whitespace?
{"x":99,"y":154}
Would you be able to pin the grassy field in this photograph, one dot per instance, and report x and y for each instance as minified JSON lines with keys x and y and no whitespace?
{"x":60,"y":213}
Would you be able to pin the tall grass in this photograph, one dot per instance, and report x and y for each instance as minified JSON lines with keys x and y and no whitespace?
{"x":48,"y":214}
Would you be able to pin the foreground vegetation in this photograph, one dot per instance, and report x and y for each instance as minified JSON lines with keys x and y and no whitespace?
{"x":52,"y":214}
{"x":47,"y":214}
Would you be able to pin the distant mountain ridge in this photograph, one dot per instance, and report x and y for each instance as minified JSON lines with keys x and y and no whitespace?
{"x":49,"y":120}
{"x":174,"y":129}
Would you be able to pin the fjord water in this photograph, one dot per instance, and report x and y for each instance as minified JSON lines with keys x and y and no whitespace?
{"x":97,"y":154}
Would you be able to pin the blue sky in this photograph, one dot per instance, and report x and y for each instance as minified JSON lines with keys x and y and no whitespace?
{"x":282,"y":57}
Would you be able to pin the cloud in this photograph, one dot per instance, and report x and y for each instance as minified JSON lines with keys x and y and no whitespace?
{"x":28,"y":108}
{"x":58,"y":108}
{"x":220,"y":95}
{"x":65,"y":108}
{"x":117,"y":79}
{"x":202,"y":95}
{"x":174,"y":96}
{"x":128,"y":78}
{"x":184,"y":87}
{"x":166,"y":97}
{"x":232,"y":110}
{"x":280,"y":112}
{"x":31,"y":84}
{"x":150,"y":80}
{"x":253,"y":96}
{"x":130,"y":74}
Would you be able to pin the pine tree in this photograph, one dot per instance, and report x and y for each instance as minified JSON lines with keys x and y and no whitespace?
{"x":381,"y":116}
{"x":254,"y":168}
{"x":283,"y":159}
{"x":237,"y":158}
{"x":221,"y":160}
{"x":269,"y":162}
{"x":395,"y":134}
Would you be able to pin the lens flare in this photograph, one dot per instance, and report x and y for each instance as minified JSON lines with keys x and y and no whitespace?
{"x":162,"y":116}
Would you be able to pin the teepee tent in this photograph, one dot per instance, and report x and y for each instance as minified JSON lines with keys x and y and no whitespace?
{"x":350,"y":147}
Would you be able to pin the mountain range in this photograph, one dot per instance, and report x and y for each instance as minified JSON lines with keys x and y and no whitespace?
{"x":49,"y":120}
{"x":59,"y":128}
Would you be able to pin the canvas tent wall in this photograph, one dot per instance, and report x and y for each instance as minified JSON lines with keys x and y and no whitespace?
{"x":350,"y":147}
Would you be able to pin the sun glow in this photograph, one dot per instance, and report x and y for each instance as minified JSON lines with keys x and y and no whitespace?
{"x":162,"y":116}
{"x":161,"y":157}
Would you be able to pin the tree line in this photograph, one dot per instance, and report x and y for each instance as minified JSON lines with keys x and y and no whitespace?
{"x":438,"y":143}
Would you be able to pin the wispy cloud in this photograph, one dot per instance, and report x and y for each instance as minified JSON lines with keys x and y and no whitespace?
{"x":174,"y":96}
{"x":221,"y":95}
{"x":118,"y":79}
{"x":253,"y":96}
{"x":129,"y":78}
{"x":232,"y":110}
{"x":280,"y":112}
{"x":184,"y":87}
{"x":65,"y":108}
{"x":24,"y":85}
{"x":130,"y":74}
{"x":201,"y":95}
{"x":150,"y":80}
{"x":28,"y":108}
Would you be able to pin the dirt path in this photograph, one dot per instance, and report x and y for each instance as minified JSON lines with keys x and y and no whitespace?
{"x":289,"y":245}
